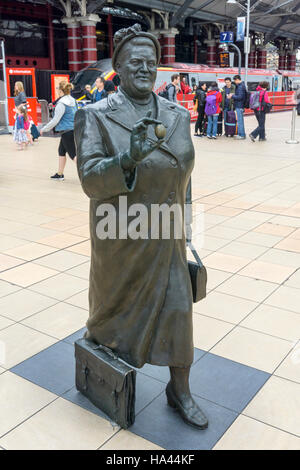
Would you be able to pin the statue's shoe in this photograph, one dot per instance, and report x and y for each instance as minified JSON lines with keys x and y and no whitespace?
{"x":191,"y":415}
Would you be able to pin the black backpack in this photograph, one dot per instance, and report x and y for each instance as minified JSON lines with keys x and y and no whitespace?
{"x":247,"y":99}
{"x":164,"y":93}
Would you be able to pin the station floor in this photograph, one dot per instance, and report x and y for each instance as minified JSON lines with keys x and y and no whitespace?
{"x":246,"y":373}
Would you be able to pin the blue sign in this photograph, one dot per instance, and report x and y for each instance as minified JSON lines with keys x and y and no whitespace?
{"x":227,"y":36}
{"x":240,"y":28}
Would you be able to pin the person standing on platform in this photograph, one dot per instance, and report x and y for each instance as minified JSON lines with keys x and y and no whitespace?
{"x":20,"y":96}
{"x":63,"y":121}
{"x":260,"y":113}
{"x":227,"y":103}
{"x":200,"y":97}
{"x":239,"y":98}
{"x":173,"y":88}
{"x":184,"y":86}
{"x":212,"y":110}
{"x":99,"y":93}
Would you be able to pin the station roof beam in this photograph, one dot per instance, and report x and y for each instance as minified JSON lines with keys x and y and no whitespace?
{"x":181,"y":14}
{"x":276,"y":30}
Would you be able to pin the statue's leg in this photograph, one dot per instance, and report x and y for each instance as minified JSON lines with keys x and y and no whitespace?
{"x":180,"y":398}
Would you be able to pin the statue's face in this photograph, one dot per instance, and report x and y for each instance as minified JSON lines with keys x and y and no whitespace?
{"x":137,"y":67}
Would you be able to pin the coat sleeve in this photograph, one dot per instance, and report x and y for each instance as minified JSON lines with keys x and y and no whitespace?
{"x":101,"y":174}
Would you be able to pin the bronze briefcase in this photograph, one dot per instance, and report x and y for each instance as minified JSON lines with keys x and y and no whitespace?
{"x":107,"y":382}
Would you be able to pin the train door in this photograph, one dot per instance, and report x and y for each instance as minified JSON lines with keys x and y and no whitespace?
{"x":285,"y":84}
{"x":194,"y":81}
{"x":185,"y":84}
{"x":253,"y":82}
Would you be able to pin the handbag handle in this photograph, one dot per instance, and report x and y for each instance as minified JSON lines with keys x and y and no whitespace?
{"x":195,"y":254}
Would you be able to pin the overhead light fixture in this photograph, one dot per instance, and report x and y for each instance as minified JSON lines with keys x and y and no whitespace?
{"x":231,"y":2}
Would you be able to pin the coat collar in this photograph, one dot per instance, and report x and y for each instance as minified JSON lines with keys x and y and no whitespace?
{"x":123,"y":113}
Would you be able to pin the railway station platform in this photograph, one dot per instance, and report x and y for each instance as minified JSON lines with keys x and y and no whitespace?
{"x":246,"y":372}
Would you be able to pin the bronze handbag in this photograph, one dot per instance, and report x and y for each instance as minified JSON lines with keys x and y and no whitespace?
{"x":198,"y":275}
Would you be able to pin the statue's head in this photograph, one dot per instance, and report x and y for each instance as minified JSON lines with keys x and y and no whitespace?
{"x":135,"y":59}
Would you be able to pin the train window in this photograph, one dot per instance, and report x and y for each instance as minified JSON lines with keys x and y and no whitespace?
{"x":208,"y":83}
{"x":252,"y":86}
{"x":296,"y":84}
{"x":86,"y":77}
{"x":285,"y":84}
{"x":194,"y":84}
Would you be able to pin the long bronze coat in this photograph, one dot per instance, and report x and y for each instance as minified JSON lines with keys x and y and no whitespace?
{"x":140,"y":292}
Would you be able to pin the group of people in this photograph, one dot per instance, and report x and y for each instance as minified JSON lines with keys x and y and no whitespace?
{"x":210,"y":102}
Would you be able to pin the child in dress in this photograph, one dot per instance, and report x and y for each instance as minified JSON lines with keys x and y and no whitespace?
{"x":20,"y":134}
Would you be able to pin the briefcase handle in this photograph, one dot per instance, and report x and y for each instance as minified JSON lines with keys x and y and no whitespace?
{"x":108,"y":351}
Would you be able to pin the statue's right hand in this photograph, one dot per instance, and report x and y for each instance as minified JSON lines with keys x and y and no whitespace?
{"x":140,"y":148}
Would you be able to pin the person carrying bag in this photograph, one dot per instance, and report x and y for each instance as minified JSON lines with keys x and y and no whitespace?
{"x":260,"y":112}
{"x":212,"y":110}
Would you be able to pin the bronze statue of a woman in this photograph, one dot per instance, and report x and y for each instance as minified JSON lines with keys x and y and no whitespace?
{"x":140,"y":294}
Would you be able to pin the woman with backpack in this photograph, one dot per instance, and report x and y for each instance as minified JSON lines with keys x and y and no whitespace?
{"x":260,"y":112}
{"x":63,"y":121}
{"x":212,"y":110}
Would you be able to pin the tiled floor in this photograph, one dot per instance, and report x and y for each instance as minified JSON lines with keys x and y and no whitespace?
{"x":246,"y":372}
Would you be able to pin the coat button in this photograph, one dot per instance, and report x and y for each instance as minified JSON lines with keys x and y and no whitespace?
{"x":173,"y":161}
